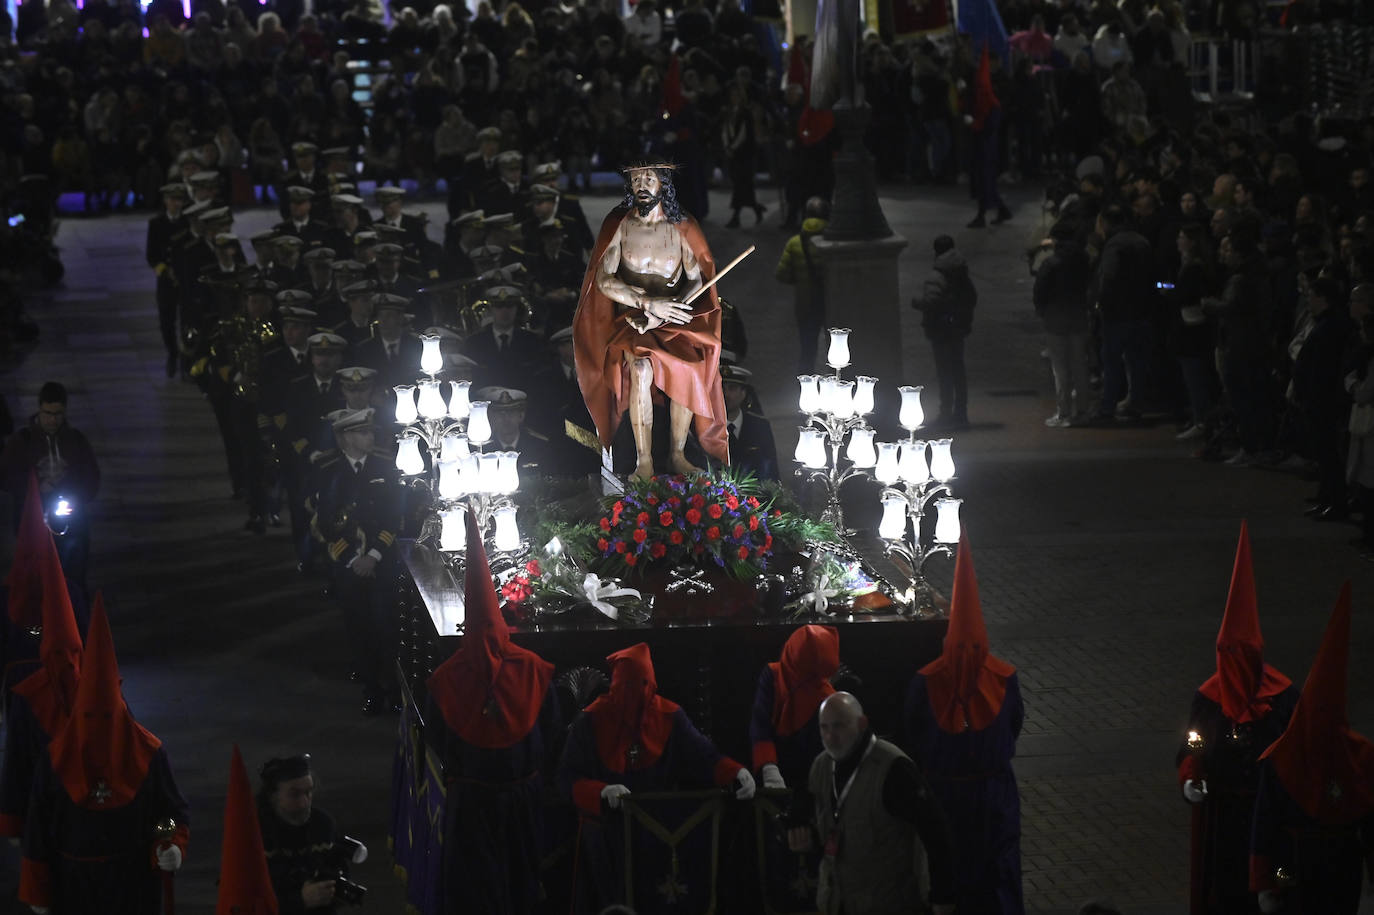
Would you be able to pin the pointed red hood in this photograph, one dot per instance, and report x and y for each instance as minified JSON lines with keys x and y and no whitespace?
{"x":1327,"y":768}
{"x":491,"y":690}
{"x":1244,"y":686}
{"x":801,"y":677}
{"x":632,"y":713}
{"x":31,"y":543}
{"x":966,"y":683}
{"x":984,"y":98}
{"x":51,"y":690}
{"x":245,"y":886}
{"x":102,"y":754}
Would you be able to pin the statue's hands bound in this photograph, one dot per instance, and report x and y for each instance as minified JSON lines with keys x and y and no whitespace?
{"x":667,"y":310}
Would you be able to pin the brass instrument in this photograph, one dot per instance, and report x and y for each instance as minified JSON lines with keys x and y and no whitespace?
{"x":247,"y":339}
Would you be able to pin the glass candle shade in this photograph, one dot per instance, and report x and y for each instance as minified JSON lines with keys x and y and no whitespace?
{"x":947,"y":520}
{"x":941,"y":461}
{"x":458,"y":402}
{"x":844,"y":400}
{"x":893,"y":523}
{"x":431,"y":405}
{"x":405,"y":404}
{"x":911,"y":416}
{"x":860,"y":450}
{"x":809,"y":400}
{"x":885,"y":471}
{"x":453,"y":446}
{"x":863,"y":394}
{"x":508,"y":472}
{"x":838,"y":355}
{"x":450,"y":482}
{"x":452,"y":529}
{"x":409,"y":461}
{"x":431,"y":358}
{"x":479,"y":427}
{"x":812,"y":448}
{"x":489,"y":473}
{"x":912,"y":465}
{"x":507,"y":535}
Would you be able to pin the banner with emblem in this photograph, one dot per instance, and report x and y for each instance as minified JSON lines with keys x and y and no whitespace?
{"x":404,"y":788}
{"x":426,"y":875}
{"x":787,"y":879}
{"x":672,"y":851}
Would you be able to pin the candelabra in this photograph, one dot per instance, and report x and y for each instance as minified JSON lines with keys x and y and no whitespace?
{"x":462,"y":476}
{"x":835,"y":409}
{"x":911,"y":483}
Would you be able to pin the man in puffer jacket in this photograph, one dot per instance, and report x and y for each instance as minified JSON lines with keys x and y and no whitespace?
{"x":946,"y":304}
{"x":800,"y":267}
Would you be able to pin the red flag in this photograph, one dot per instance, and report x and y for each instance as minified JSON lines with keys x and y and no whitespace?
{"x":245,"y":887}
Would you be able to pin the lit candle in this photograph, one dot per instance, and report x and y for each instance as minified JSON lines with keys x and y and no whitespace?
{"x":431,"y":358}
{"x":893,"y":524}
{"x":405,"y":404}
{"x":885,"y":471}
{"x":941,"y":461}
{"x":947,"y":520}
{"x":468,"y":472}
{"x":458,"y":403}
{"x":860,"y":449}
{"x":509,"y":471}
{"x":431,"y":404}
{"x":912,"y":465}
{"x":812,"y":448}
{"x":452,"y":529}
{"x":809,"y":401}
{"x":912,"y":414}
{"x":453,"y":447}
{"x":838,"y":356}
{"x":844,"y":399}
{"x":827,"y":384}
{"x":489,"y":473}
{"x":450,"y":486}
{"x":479,"y":427}
{"x":409,"y":461}
{"x":863,"y":394}
{"x":799,"y":455}
{"x":507,"y":535}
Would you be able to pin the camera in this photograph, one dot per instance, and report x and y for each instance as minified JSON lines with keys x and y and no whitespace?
{"x":58,"y":514}
{"x":336,"y":862}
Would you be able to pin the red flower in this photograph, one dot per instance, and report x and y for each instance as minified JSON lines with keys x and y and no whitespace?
{"x":675,"y":537}
{"x":642,"y":518}
{"x":777,"y":513}
{"x":631,"y":559}
{"x":605,"y":524}
{"x":665,"y":519}
{"x":620,"y":546}
{"x":693,"y":516}
{"x":753,"y":522}
{"x":674,"y":501}
{"x":652,"y":500}
{"x":715,"y":511}
{"x":698,"y":500}
{"x":753,"y":502}
{"x":713,"y":533}
{"x":615,"y":512}
{"x":739,"y":531}
{"x":602,"y":545}
{"x":533,"y":568}
{"x":744,"y":552}
{"x":641,"y":535}
{"x":731,"y":502}
{"x":768,"y":542}
{"x":658,"y":549}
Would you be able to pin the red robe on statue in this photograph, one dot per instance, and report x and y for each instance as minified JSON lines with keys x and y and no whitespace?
{"x":686,"y":358}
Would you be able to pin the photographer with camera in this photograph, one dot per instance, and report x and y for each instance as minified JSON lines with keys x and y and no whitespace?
{"x":306,"y":856}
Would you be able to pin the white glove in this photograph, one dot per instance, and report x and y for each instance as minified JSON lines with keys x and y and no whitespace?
{"x":612,"y":794}
{"x":360,"y":855}
{"x":772,"y":778}
{"x":1270,"y":901}
{"x":1195,"y":792}
{"x":39,"y":909}
{"x":745,"y":781}
{"x":169,"y":858}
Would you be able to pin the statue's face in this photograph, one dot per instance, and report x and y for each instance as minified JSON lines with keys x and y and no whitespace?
{"x":647,"y":189}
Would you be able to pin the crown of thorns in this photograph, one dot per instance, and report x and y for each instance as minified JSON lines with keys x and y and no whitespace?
{"x":648,"y":163}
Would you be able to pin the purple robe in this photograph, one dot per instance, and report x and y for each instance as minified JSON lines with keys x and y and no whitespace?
{"x":796,"y":751}
{"x":971,"y":777}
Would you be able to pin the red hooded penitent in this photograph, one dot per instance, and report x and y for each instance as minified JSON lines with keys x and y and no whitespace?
{"x":801,"y":677}
{"x":632,"y":713}
{"x":1244,"y":686}
{"x":966,"y":683}
{"x":51,"y":690}
{"x":1327,"y":768}
{"x":245,"y":886}
{"x":491,"y":690}
{"x":102,"y":754}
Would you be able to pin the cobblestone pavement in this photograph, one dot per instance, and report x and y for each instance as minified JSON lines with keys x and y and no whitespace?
{"x":1103,"y":559}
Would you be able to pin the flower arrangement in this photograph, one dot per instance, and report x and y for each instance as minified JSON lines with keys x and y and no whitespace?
{"x":556,"y":585}
{"x":727,"y":520}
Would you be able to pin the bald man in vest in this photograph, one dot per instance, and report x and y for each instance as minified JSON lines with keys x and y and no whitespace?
{"x":874,"y":814}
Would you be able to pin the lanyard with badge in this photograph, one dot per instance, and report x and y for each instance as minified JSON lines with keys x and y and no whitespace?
{"x":838,"y":795}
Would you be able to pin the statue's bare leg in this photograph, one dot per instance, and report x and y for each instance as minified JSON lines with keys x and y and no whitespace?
{"x":681,"y":419}
{"x":642,"y":416}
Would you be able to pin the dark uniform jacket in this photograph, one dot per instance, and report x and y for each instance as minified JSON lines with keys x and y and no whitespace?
{"x":318,"y":182}
{"x":302,"y":407}
{"x":314,"y":233}
{"x":510,"y":368}
{"x":358,"y":511}
{"x":391,"y":370}
{"x":164,"y":235}
{"x":753,"y":448}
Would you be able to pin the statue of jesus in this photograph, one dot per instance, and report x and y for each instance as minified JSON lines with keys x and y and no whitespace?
{"x":634,"y":336}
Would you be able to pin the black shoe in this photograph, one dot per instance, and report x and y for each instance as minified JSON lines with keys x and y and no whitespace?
{"x":733,"y":223}
{"x":977,"y":223}
{"x":758,"y":213}
{"x":256,"y":525}
{"x":1003,"y":215}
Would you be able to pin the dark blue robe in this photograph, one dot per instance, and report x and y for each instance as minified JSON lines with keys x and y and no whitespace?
{"x":25,"y":743}
{"x":971,"y":777}
{"x":1326,"y":863}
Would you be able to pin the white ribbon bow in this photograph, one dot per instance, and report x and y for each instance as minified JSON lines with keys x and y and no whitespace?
{"x":819,"y":599}
{"x":598,"y":592}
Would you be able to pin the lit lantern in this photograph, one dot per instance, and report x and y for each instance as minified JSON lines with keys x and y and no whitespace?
{"x":886,"y":470}
{"x":810,"y":399}
{"x":431,"y":404}
{"x":458,"y":403}
{"x":827,"y":385}
{"x":844,"y":399}
{"x":431,"y":358}
{"x":450,"y":482}
{"x":452,"y":529}
{"x":453,"y":446}
{"x":860,"y":449}
{"x":508,"y":471}
{"x":405,"y":404}
{"x":812,"y":448}
{"x":507,"y":535}
{"x":912,"y":466}
{"x":863,"y":394}
{"x":912,"y":415}
{"x":947,"y":520}
{"x":468,"y":473}
{"x":479,"y":427}
{"x":941,"y":461}
{"x":893,"y":524}
{"x":489,"y":473}
{"x":838,"y":356}
{"x":409,"y":461}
